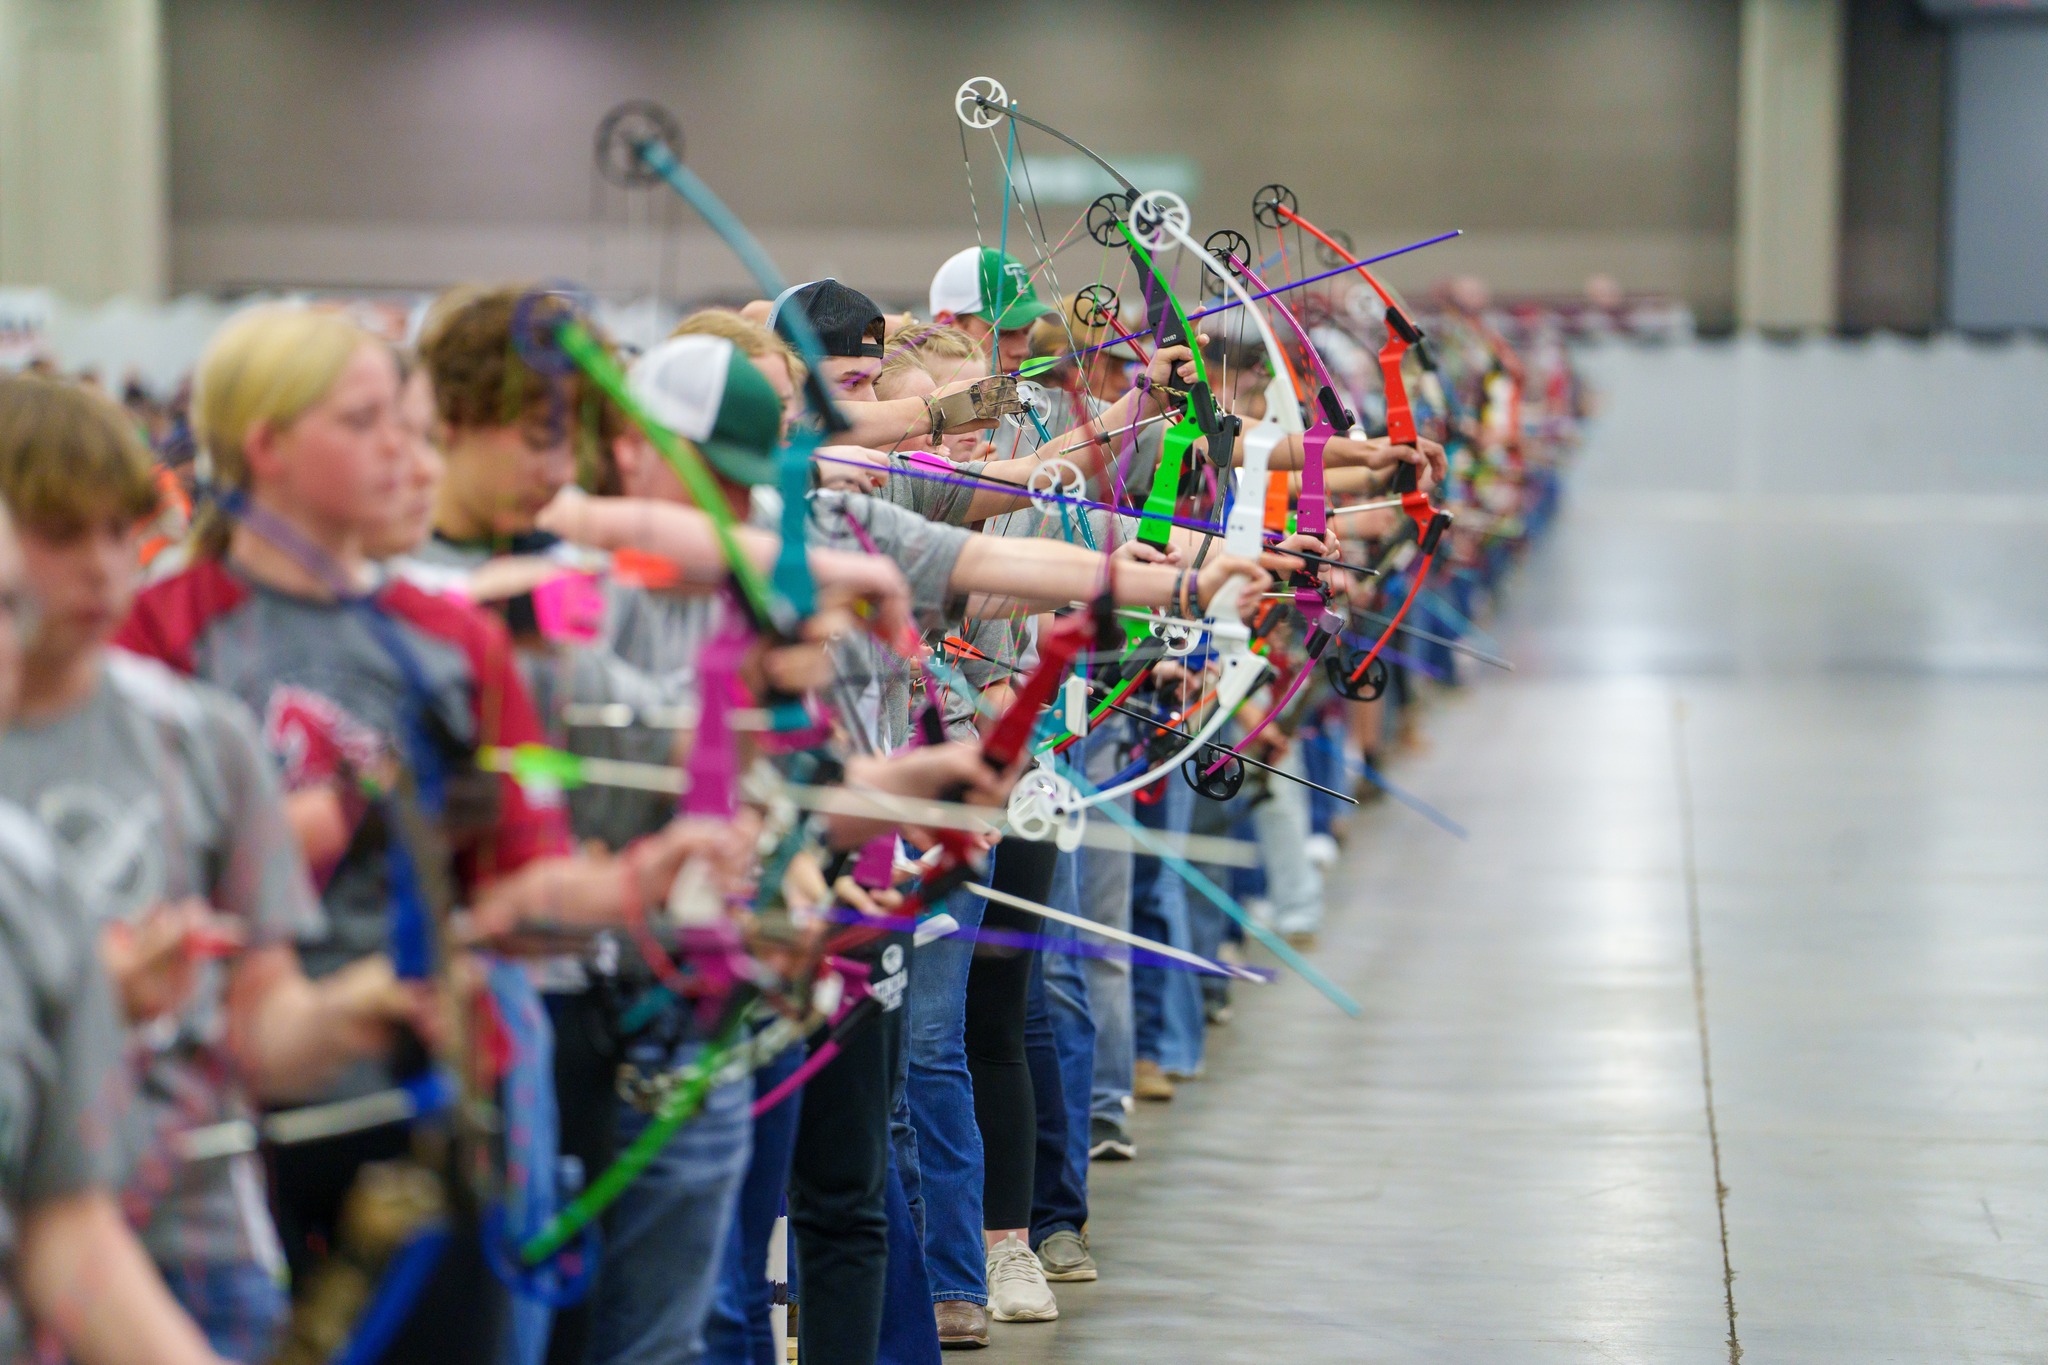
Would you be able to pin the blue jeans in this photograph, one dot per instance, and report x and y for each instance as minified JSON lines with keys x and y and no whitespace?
{"x":1322,"y":756}
{"x":739,"y":1330}
{"x":663,"y":1239}
{"x":1059,"y":1190}
{"x":239,"y":1306}
{"x":1166,"y":1003}
{"x":910,"y":1334}
{"x":1281,"y":821}
{"x":1105,"y":897}
{"x":938,"y":1146}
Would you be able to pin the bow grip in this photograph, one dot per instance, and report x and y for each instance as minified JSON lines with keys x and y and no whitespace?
{"x":1434,"y":531}
{"x":1333,"y":407}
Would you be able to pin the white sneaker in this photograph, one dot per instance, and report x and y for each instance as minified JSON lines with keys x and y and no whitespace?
{"x":1017,"y":1291}
{"x":1321,"y":849}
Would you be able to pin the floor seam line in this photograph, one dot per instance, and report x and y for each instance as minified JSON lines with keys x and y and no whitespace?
{"x":1688,"y":857}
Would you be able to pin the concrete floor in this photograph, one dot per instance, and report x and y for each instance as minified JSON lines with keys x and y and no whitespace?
{"x":1756,"y":891}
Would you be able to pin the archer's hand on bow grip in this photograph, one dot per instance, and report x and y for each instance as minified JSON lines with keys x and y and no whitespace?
{"x":1221,"y":570}
{"x":1174,"y":366}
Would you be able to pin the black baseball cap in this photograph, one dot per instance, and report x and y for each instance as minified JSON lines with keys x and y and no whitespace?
{"x":847,"y":321}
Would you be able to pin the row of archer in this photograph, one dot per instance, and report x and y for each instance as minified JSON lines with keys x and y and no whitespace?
{"x":333,"y":485}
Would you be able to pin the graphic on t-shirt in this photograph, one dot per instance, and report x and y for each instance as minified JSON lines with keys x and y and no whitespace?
{"x":112,"y":848}
{"x":316,"y":739}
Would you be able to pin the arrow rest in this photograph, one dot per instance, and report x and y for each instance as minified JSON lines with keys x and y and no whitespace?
{"x":1179,"y":639}
{"x":1333,"y":407}
{"x":628,"y":128}
{"x":1037,"y":400}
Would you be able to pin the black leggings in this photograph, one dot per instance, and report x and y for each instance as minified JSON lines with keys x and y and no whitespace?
{"x":998,"y":989}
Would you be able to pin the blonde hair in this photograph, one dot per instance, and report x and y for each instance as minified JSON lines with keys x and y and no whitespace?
{"x":924,"y":346}
{"x":267,"y":365}
{"x":753,"y":340}
{"x":69,"y":457}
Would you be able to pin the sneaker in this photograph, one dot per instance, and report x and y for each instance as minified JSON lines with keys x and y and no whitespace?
{"x":1179,"y":1077}
{"x":1064,"y":1257}
{"x":1017,"y":1291}
{"x":1302,"y":940}
{"x":963,"y":1324}
{"x":1148,"y":1082}
{"x":1217,"y":1012}
{"x":1321,"y":850}
{"x":1108,"y":1141}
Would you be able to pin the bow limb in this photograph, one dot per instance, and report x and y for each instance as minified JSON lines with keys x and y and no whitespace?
{"x":1430,"y":521}
{"x":1163,"y":219}
{"x":1198,"y":418}
{"x":648,"y":153}
{"x":1149,"y":843}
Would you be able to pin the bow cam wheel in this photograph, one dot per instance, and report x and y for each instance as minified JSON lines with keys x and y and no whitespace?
{"x":1097,"y":306}
{"x":1053,"y":480}
{"x":1331,"y":256}
{"x":1104,"y":214}
{"x":1230,"y":247}
{"x":1268,"y":202}
{"x":628,"y":128}
{"x":1220,"y":785}
{"x":1341,"y":664}
{"x":973,"y":101}
{"x":1158,"y":217}
{"x":536,"y":322}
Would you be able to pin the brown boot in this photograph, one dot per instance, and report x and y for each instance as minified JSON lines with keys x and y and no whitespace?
{"x":963,"y":1324}
{"x":1148,"y":1082}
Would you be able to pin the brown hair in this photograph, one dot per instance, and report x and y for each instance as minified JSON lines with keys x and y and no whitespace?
{"x":69,"y":457}
{"x":481,"y":380}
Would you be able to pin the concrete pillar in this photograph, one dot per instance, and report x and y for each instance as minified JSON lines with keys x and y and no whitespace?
{"x":83,"y":189}
{"x":1789,"y":163}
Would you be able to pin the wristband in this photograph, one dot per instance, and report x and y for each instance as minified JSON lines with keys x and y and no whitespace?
{"x":981,"y":401}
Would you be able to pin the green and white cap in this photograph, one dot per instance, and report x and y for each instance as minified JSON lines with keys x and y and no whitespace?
{"x":703,"y":389}
{"x":975,"y":280}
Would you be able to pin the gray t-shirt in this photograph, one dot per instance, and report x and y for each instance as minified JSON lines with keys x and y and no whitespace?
{"x":910,"y":486}
{"x":62,"y":1085}
{"x":873,"y":681}
{"x":660,"y":633}
{"x":156,"y":789}
{"x":1134,"y":456}
{"x":559,"y":676}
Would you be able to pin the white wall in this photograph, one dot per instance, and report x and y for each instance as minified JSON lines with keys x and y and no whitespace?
{"x":82,"y":196}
